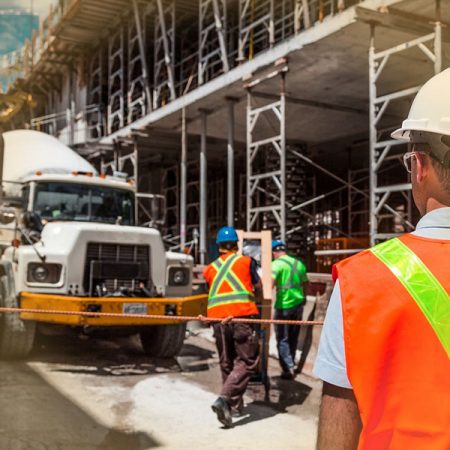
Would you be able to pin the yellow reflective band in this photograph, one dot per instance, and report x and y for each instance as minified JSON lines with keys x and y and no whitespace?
{"x":420,"y":283}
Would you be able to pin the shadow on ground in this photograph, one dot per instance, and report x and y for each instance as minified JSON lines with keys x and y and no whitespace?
{"x":99,"y":356}
{"x":35,"y":416}
{"x":282,"y":395}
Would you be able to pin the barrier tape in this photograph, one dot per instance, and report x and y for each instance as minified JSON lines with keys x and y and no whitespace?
{"x":199,"y":318}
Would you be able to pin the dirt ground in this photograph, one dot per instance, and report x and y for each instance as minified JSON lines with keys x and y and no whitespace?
{"x":93,"y":393}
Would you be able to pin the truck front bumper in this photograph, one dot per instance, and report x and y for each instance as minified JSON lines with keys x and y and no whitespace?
{"x":184,"y":306}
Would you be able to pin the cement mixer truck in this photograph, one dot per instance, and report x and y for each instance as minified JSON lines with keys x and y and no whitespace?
{"x":69,"y":241}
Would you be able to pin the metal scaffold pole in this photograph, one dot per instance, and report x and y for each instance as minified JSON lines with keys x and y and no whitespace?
{"x":230,"y":163}
{"x":134,"y":59}
{"x":266,"y":157}
{"x":183,"y":179}
{"x":381,"y":145}
{"x":203,"y":187}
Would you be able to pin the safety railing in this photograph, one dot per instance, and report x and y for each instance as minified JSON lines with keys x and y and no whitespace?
{"x":86,"y":126}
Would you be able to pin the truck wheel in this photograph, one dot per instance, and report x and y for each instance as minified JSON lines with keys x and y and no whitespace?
{"x":16,"y":335}
{"x":163,"y":341}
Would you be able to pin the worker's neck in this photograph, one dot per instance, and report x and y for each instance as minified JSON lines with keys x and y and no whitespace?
{"x":433,"y":203}
{"x":226,"y":252}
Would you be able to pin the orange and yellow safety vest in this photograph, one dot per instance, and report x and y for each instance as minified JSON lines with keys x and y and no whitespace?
{"x":396,"y":318}
{"x":230,"y":287}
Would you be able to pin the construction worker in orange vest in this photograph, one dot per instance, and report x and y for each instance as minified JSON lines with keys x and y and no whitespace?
{"x":384,"y":354}
{"x":233,"y":283}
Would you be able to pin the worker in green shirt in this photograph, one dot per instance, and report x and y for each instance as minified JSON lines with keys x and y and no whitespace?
{"x":288,"y":276}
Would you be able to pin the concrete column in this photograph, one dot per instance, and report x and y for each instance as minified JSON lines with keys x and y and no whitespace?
{"x":183,"y":179}
{"x":230,"y":162}
{"x":203,"y":188}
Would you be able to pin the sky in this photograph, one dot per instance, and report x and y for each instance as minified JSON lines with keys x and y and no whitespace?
{"x":14,"y":30}
{"x":40,"y":7}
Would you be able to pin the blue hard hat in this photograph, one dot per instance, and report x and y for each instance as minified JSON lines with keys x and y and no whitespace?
{"x":227,"y":234}
{"x":277,"y":243}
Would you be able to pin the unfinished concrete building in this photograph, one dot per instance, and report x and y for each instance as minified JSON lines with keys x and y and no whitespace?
{"x":258,"y":113}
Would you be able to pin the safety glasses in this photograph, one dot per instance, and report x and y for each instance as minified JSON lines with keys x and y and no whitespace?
{"x":416,"y":148}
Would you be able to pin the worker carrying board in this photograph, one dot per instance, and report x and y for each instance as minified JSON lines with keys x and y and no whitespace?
{"x":288,"y":277}
{"x":233,"y":284}
{"x":384,"y":353}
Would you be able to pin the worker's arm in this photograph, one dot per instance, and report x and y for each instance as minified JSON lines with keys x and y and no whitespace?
{"x":339,"y":421}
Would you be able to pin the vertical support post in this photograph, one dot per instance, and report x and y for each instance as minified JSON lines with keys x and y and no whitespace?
{"x":116,"y":155}
{"x":438,"y":39}
{"x":203,"y":188}
{"x":249,"y":140}
{"x":221,"y":35}
{"x":283,"y":157}
{"x":71,"y":109}
{"x":167,"y":52}
{"x":373,"y":222}
{"x":230,"y":162}
{"x":272,"y":24}
{"x":143,"y":56}
{"x":136,"y":179}
{"x":183,"y":180}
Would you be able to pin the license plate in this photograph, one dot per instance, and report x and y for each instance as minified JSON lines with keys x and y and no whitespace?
{"x":134,"y":308}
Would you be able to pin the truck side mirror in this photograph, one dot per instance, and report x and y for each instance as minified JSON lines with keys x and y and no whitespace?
{"x":7,"y":216}
{"x":32,"y":221}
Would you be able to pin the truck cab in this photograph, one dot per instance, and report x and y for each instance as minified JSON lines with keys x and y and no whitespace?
{"x":73,"y":244}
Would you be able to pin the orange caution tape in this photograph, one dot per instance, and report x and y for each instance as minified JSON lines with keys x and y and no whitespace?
{"x":199,"y":318}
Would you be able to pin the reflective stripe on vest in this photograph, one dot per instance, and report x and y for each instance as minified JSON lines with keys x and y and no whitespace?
{"x":420,"y":283}
{"x":290,"y":282}
{"x":225,"y":274}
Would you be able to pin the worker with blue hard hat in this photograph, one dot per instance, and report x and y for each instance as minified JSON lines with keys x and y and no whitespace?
{"x":288,"y":276}
{"x":278,"y":245}
{"x":227,"y":234}
{"x":233,"y":283}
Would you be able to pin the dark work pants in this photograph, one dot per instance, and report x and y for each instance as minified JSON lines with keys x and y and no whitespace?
{"x":287,"y":336}
{"x":238,"y":349}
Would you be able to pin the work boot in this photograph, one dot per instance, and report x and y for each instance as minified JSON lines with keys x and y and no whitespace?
{"x":288,"y":374}
{"x":236,"y":411}
{"x":222,"y":409}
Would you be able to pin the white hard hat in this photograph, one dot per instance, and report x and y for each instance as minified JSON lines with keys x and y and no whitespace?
{"x":429,"y":117}
{"x":430,"y":111}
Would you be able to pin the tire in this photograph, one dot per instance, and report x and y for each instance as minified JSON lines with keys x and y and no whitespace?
{"x":163,"y":341}
{"x":16,"y":335}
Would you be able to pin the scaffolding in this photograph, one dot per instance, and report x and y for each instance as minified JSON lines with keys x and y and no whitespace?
{"x":116,"y":79}
{"x":398,"y":215}
{"x":216,"y":67}
{"x":266,"y":189}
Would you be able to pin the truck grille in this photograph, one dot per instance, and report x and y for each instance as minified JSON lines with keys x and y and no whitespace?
{"x":116,"y":266}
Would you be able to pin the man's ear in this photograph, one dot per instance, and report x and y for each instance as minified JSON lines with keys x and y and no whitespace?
{"x":421,"y":167}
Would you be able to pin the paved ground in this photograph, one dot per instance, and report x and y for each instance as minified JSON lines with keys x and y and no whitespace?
{"x":100,"y":394}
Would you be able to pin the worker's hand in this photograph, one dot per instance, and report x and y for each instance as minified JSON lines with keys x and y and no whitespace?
{"x":227,"y":320}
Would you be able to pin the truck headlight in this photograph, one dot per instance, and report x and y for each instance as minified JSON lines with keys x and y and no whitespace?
{"x":44,"y":273}
{"x":178,"y":276}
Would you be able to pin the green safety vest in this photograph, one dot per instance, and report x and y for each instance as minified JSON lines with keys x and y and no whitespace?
{"x":290,"y":292}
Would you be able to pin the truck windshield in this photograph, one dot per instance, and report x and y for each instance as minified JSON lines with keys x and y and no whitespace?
{"x":82,"y":202}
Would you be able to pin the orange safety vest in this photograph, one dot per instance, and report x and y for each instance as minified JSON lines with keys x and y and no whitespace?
{"x":397,"y":347}
{"x":230,"y":287}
